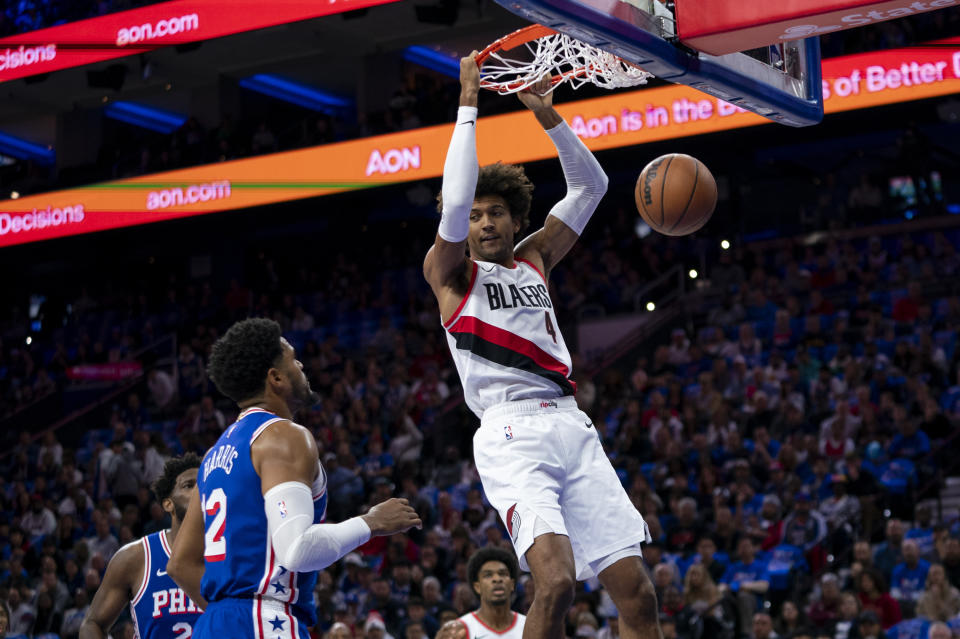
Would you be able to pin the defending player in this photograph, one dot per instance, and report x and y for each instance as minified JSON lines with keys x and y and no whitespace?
{"x":137,"y":573}
{"x":493,"y":574}
{"x":252,"y":539}
{"x":539,"y":457}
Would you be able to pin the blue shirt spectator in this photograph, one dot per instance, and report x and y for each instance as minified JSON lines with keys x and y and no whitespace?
{"x":909,"y":442}
{"x":909,"y":577}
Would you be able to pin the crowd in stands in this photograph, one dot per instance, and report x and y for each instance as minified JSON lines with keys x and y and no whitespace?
{"x":776,"y":443}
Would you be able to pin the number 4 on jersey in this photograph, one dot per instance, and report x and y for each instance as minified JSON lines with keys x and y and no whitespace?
{"x":551,"y":331}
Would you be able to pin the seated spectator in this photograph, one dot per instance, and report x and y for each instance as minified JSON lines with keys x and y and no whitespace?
{"x":845,"y":626}
{"x":909,"y":442}
{"x":762,"y":627}
{"x":825,"y":610}
{"x":922,"y":532}
{"x":706,"y":556}
{"x":872,"y":591}
{"x":805,"y":528}
{"x":888,"y":554}
{"x":790,"y":620}
{"x":699,"y":590}
{"x":682,"y":535}
{"x":908,"y":578}
{"x":951,"y":561}
{"x":748,"y":579}
{"x":842,"y":512}
{"x":869,"y":625}
{"x":940,"y":601}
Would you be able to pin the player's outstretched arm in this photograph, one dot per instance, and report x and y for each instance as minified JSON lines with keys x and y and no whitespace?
{"x":116,"y":589}
{"x":185,"y":565}
{"x":446,"y":259}
{"x":285,"y":457}
{"x":586,"y":183}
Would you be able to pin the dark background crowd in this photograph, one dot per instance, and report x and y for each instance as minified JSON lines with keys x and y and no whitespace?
{"x":786,"y":427}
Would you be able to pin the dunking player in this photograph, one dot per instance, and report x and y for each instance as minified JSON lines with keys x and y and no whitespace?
{"x":539,"y":457}
{"x":137,"y":573}
{"x":493,"y":574}
{"x":252,"y":539}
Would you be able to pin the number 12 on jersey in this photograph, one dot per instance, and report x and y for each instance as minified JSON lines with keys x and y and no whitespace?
{"x":215,"y":509}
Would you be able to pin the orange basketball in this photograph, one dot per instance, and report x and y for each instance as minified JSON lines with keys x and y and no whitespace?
{"x":676,"y":194}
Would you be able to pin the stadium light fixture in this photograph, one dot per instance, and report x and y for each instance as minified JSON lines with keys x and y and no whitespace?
{"x":433,"y":60}
{"x":724,"y":244}
{"x":693,"y":274}
{"x":144,"y":116}
{"x":13,"y":146}
{"x":296,"y":93}
{"x":651,"y":306}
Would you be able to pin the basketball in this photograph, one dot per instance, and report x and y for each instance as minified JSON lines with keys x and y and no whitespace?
{"x":676,"y":194}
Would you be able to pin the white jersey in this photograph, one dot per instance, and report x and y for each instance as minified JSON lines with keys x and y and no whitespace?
{"x":476,"y":629}
{"x":504,"y":338}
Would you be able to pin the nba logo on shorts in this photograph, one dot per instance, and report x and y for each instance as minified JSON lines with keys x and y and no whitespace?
{"x":282,"y":506}
{"x":508,"y":432}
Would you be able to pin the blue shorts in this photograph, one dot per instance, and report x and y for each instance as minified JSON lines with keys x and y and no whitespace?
{"x":249,"y":619}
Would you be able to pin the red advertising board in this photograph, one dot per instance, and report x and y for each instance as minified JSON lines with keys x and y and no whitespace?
{"x":721,"y":26}
{"x":169,"y":23}
{"x":626,"y":118}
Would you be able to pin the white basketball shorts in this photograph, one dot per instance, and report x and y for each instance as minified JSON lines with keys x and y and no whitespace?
{"x":543,"y":459}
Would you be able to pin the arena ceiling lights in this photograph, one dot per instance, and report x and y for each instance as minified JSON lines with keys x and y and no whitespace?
{"x":433,"y":60}
{"x":296,"y":93}
{"x":145,"y":116}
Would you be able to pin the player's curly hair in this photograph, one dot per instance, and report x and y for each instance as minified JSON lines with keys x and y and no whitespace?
{"x":491,"y":553}
{"x":510,"y":182}
{"x":175,"y":466}
{"x":239,"y":360}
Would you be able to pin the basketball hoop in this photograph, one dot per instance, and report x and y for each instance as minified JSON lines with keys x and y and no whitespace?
{"x":564,"y":58}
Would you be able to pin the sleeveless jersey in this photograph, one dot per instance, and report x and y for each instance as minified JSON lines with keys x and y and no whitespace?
{"x":160,"y":609}
{"x":504,"y":338}
{"x":476,"y":629}
{"x":238,"y":555}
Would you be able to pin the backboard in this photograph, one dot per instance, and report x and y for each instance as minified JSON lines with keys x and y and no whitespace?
{"x":781,"y":82}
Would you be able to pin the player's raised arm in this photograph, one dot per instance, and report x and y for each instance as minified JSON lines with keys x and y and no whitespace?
{"x":446,"y":259}
{"x":285,"y":457}
{"x":114,"y":593}
{"x":186,"y":564}
{"x":586,"y":182}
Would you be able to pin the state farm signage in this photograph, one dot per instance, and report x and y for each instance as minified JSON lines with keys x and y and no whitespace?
{"x":719,"y":26}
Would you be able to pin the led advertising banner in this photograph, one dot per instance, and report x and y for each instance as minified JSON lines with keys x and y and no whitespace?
{"x":617,"y":120}
{"x":161,"y":25}
{"x":720,"y":26}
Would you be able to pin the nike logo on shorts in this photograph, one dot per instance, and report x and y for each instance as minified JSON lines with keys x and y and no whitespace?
{"x":588,"y":424}
{"x":473,"y":122}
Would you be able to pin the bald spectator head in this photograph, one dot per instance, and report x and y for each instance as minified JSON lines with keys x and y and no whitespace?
{"x":911,"y":552}
{"x":939,"y":630}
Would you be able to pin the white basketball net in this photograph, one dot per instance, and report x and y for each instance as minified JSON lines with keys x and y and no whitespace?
{"x":561,"y":56}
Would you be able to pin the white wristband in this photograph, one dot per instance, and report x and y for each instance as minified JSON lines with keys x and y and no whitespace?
{"x":460,"y":171}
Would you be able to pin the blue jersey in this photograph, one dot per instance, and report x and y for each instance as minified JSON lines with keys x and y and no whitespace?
{"x":160,"y":609}
{"x":238,"y":555}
